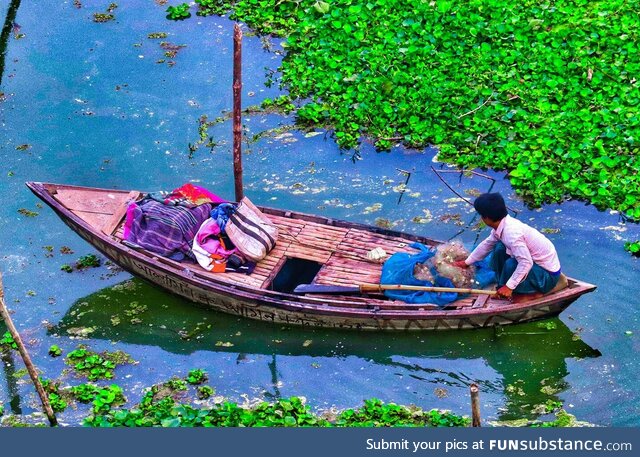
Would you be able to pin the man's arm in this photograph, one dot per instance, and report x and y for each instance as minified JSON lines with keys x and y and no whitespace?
{"x":483,"y":249}
{"x":521,"y":253}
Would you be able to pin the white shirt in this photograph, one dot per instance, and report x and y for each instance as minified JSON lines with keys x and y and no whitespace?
{"x":524,"y":243}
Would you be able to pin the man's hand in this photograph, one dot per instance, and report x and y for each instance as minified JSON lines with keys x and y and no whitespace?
{"x":505,"y":292}
{"x":460,"y":264}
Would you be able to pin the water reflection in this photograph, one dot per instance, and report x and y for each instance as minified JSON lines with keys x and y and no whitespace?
{"x":526,"y":363}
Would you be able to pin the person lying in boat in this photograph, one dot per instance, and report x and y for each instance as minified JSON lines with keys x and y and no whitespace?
{"x":525,"y":261}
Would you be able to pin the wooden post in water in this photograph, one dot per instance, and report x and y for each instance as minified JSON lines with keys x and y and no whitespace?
{"x":237,"y":111}
{"x":475,"y":405}
{"x":25,"y":357}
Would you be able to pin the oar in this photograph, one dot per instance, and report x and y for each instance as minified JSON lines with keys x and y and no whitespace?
{"x":369,"y":288}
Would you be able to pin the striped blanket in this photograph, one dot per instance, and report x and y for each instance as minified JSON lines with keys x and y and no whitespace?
{"x":165,"y":230}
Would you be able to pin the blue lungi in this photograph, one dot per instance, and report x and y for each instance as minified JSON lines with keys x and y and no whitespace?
{"x":538,"y":279}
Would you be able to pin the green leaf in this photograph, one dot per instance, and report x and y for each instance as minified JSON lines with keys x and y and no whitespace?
{"x":321,"y":7}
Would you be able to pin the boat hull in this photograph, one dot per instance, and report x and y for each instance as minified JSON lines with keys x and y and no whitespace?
{"x":289,"y":309}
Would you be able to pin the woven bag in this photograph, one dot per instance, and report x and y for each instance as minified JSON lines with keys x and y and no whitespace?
{"x":251,"y":231}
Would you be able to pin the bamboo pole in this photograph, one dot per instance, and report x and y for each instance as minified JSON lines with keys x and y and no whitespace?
{"x":237,"y":103}
{"x":364,"y":288}
{"x":475,"y":405}
{"x":27,"y":360}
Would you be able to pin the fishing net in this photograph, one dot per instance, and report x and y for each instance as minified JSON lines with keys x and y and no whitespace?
{"x":433,"y":267}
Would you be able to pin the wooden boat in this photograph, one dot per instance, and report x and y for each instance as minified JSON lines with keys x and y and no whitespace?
{"x":318,"y":249}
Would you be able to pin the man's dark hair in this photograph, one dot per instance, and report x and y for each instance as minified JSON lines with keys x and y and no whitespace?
{"x":491,"y":206}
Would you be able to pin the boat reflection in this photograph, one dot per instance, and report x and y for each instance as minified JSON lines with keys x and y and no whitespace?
{"x":530,"y":359}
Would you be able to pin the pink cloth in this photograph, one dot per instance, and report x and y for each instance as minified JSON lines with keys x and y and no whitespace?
{"x":129,"y":220}
{"x":524,"y":243}
{"x":207,"y":246}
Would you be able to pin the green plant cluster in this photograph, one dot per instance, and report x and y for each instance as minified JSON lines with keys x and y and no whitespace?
{"x":56,"y":399}
{"x":153,"y":411}
{"x":96,"y":366}
{"x":210,"y":7}
{"x":633,"y":247}
{"x":108,"y":397}
{"x":197,"y":376}
{"x":281,"y":104}
{"x":7,"y":341}
{"x":178,"y":12}
{"x":563,"y":419}
{"x":375,"y":413}
{"x":84,"y":262}
{"x":84,"y":393}
{"x":205,"y":392}
{"x":55,"y":351}
{"x":545,"y":90}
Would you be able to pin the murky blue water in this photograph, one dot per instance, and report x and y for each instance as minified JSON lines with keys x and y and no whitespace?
{"x":95,"y":108}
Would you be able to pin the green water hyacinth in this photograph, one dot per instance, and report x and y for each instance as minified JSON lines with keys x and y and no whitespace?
{"x":178,"y":12}
{"x":633,"y":247}
{"x":547,"y":91}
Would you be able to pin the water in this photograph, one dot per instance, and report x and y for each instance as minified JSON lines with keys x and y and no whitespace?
{"x":96,"y":109}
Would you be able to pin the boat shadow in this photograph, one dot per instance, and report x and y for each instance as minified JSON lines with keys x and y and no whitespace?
{"x":530,"y":359}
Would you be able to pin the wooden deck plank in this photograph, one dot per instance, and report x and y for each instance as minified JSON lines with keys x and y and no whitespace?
{"x":119,"y":214}
{"x":88,"y":201}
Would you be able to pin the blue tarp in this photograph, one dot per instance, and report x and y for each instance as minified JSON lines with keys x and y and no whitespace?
{"x":398,"y":269}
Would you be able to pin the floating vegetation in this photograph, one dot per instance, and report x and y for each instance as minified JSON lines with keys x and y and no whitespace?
{"x":134,"y":309}
{"x":103,"y":17}
{"x":7,"y":342}
{"x":558,"y":114}
{"x":424,"y":219}
{"x":56,"y":398}
{"x":633,"y":247}
{"x":547,"y":325}
{"x":23,"y":147}
{"x":197,"y":376}
{"x":176,"y":384}
{"x":157,"y":35}
{"x":550,"y":231}
{"x":111,"y":8}
{"x":384,"y":223}
{"x":210,"y":7}
{"x":27,"y":213}
{"x":83,"y":263}
{"x":160,"y":408}
{"x":66,"y":250}
{"x":170,"y":51}
{"x":373,"y":208}
{"x":451,"y":217}
{"x":282,"y":104}
{"x":178,"y":12}
{"x":96,"y":366}
{"x":205,"y":392}
{"x":55,"y":351}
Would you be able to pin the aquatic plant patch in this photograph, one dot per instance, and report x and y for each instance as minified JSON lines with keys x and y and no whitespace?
{"x":197,"y":376}
{"x":288,"y":412}
{"x":547,"y":91}
{"x":178,"y":12}
{"x":96,"y":366}
{"x":83,"y":263}
{"x":7,"y":342}
{"x":633,"y":247}
{"x":210,"y":7}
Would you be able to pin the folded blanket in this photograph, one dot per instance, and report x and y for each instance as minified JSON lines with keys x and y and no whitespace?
{"x":165,"y":230}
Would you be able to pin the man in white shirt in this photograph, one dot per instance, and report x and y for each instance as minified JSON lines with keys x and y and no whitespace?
{"x":525,"y":261}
